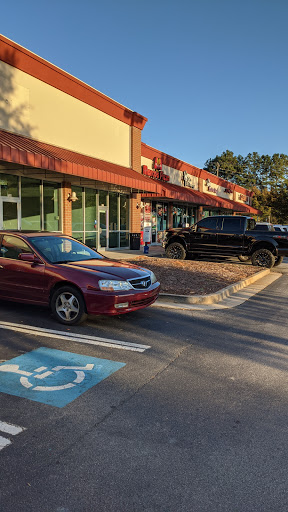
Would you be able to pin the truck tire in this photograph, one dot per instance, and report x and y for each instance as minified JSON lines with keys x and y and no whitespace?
{"x":278,"y":261}
{"x":263,"y":258}
{"x":176,"y":251}
{"x":243,"y":258}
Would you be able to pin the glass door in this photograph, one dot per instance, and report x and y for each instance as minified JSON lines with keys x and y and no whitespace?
{"x":103,"y":227}
{"x":9,"y":213}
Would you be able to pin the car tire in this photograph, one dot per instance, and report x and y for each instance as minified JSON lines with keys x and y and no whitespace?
{"x":243,"y":258}
{"x":176,"y":251}
{"x":278,"y":260}
{"x":263,"y":258}
{"x":68,"y":306}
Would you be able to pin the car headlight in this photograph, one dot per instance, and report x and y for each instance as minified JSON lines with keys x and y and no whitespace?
{"x":114,"y":286}
{"x":153,"y":277}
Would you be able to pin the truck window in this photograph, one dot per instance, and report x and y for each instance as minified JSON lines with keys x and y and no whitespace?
{"x":210,"y":223}
{"x":232,"y":224}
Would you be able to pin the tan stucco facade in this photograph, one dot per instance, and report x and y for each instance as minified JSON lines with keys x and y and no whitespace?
{"x":32,"y":108}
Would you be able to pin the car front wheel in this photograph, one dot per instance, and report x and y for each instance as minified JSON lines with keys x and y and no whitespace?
{"x":176,"y":251}
{"x":263,"y":258}
{"x":68,"y":306}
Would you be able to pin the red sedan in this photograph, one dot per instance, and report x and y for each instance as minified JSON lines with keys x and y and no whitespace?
{"x":69,"y":277}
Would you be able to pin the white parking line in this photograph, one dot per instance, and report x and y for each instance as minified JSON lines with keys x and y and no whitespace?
{"x":10,"y":429}
{"x":79,"y":338}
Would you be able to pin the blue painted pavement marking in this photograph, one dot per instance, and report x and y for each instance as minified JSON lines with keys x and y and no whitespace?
{"x":53,"y":377}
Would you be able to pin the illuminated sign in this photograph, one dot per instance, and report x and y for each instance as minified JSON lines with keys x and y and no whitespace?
{"x":157,"y":175}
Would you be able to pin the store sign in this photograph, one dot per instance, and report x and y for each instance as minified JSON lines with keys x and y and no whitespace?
{"x":212,"y":189}
{"x":243,"y":198}
{"x":228,"y":190}
{"x":157,"y":164}
{"x":157,"y":175}
{"x":187,"y":180}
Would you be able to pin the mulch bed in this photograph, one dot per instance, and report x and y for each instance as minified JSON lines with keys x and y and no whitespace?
{"x":194,"y":277}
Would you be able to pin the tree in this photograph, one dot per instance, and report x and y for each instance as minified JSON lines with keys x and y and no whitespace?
{"x":266,"y":175}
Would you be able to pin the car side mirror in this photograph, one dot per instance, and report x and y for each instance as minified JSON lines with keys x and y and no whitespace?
{"x":30,"y":257}
{"x":194,"y":227}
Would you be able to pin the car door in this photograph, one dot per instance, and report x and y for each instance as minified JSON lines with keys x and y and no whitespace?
{"x":203,"y":236}
{"x":20,"y":280}
{"x":230,"y":236}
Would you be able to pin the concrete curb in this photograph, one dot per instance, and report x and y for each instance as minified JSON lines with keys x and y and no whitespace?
{"x":213,"y":298}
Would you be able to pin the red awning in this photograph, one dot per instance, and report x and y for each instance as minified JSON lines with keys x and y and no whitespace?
{"x":187,"y":195}
{"x":243,"y":208}
{"x":24,"y":151}
{"x":169,"y":191}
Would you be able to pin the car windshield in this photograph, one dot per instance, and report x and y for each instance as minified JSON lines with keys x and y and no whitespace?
{"x":57,"y":249}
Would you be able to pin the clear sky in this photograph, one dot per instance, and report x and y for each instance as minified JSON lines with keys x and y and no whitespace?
{"x":209,"y":75}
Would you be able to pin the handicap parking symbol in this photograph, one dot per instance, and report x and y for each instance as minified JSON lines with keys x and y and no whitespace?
{"x":53,"y":377}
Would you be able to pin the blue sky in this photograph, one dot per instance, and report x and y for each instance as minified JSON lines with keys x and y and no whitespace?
{"x":209,"y":75}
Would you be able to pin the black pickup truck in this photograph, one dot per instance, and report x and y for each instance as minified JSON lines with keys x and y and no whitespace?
{"x":227,"y":235}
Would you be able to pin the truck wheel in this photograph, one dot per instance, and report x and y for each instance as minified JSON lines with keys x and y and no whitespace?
{"x":263,"y":258}
{"x":176,"y":251}
{"x":243,"y":258}
{"x":278,"y":261}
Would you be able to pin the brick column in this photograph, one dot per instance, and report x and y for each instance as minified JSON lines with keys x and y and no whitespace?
{"x":67,"y":209}
{"x":135,"y":213}
{"x":199,"y":213}
{"x":136,"y":149}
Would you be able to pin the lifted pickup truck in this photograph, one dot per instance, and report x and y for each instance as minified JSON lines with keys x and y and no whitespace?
{"x":227,"y":235}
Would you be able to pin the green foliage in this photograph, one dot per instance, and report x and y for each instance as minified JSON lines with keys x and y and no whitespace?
{"x":266,"y":175}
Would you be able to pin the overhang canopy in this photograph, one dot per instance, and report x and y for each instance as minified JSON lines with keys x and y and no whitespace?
{"x":29,"y":152}
{"x":170,"y":191}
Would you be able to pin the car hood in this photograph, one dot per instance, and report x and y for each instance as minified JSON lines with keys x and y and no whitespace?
{"x":111,"y":267}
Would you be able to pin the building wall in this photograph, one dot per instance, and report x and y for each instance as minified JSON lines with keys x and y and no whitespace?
{"x":35,"y":109}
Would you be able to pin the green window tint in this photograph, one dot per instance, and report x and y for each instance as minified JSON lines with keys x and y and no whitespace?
{"x":124,"y":212}
{"x":78,"y":236}
{"x":9,"y":185}
{"x":51,"y":206}
{"x":90,"y":209}
{"x":77,"y":210}
{"x":90,"y":239}
{"x":124,"y":239}
{"x":113,"y":212}
{"x":113,"y":239}
{"x":10,"y":215}
{"x":102,"y":198}
{"x":30,"y":204}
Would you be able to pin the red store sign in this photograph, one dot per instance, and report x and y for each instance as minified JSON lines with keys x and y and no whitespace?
{"x":158,"y":175}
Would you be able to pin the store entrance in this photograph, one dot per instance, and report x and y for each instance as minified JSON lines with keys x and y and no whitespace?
{"x":103,"y":227}
{"x":9,"y":213}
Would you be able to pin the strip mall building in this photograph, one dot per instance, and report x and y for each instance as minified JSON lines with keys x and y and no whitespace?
{"x":72,"y":160}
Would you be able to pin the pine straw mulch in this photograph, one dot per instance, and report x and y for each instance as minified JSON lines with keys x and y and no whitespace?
{"x":194,"y":277}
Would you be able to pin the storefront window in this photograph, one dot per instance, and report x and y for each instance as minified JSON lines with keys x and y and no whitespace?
{"x":124,"y":212}
{"x":90,"y":209}
{"x":77,"y":212}
{"x":154,"y":222}
{"x":51,"y":206}
{"x":113,"y":211}
{"x":30,"y":204}
{"x":102,"y":198}
{"x":9,"y":185}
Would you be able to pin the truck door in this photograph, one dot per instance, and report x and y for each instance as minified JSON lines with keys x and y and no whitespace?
{"x":204,"y":239}
{"x":231,"y":235}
